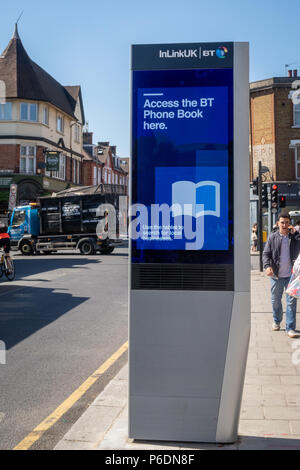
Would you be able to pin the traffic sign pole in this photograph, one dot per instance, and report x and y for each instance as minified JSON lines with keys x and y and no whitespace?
{"x":260,"y":240}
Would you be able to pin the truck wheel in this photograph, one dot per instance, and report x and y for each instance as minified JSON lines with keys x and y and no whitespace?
{"x":26,"y":248}
{"x":107,"y":251}
{"x":87,"y":248}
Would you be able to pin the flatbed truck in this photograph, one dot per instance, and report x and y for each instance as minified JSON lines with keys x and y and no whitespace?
{"x":80,"y":222}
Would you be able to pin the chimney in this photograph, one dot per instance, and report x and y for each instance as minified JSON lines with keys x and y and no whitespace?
{"x":290,"y":73}
{"x":295,"y":73}
{"x":87,"y":138}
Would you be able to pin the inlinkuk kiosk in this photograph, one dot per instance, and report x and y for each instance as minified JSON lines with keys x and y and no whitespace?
{"x":189,"y":302}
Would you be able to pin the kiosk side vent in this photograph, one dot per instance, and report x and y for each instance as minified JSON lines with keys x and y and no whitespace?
{"x":182,"y":277}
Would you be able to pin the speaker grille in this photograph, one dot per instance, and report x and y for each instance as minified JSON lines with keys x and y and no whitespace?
{"x":182,"y":277}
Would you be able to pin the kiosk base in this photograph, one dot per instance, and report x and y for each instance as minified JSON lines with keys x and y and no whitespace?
{"x":188,"y":354}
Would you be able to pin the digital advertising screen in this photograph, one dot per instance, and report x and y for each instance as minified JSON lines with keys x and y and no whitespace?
{"x":182,"y":177}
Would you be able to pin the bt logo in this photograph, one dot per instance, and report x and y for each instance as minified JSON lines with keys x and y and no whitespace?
{"x":221,"y":52}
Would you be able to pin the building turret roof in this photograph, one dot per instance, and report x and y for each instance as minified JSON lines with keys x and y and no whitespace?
{"x":24,"y":79}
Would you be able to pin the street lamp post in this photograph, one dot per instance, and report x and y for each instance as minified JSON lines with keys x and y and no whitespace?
{"x":71,"y":151}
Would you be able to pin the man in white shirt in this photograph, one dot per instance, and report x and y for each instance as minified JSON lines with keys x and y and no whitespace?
{"x":279,"y":255}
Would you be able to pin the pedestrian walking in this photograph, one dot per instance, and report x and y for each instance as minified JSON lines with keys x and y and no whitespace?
{"x":280,"y":253}
{"x":297,"y":226}
{"x":254,"y":238}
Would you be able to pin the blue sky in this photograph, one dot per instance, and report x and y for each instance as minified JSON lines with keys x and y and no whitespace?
{"x":88,"y":43}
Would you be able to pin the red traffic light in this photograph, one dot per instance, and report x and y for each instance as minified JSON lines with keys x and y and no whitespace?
{"x":275,"y":186}
{"x":282,"y":201}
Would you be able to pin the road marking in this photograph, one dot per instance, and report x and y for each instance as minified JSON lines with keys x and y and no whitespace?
{"x":32,"y":437}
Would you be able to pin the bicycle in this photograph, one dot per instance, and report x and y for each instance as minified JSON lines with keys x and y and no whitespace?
{"x":7,"y":267}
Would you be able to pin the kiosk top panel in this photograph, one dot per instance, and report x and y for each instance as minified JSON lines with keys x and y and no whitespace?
{"x":182,"y":56}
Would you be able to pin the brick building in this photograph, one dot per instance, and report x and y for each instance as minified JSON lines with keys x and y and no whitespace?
{"x":37,"y":114}
{"x":275,"y":141}
{"x":102,"y":165}
{"x":275,"y":129}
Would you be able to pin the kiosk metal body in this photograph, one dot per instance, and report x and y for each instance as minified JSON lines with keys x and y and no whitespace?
{"x":189,"y":301}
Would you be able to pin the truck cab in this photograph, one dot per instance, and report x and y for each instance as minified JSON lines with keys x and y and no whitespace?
{"x":24,"y":222}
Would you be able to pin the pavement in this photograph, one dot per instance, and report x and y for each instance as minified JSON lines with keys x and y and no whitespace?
{"x":270,"y":411}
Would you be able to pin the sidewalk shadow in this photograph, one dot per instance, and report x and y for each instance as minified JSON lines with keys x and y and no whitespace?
{"x":31,"y":309}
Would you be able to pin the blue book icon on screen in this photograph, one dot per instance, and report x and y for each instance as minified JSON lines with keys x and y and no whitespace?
{"x":196,"y":199}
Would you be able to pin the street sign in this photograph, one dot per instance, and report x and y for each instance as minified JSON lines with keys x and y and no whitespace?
{"x":5,"y":182}
{"x":52,"y":161}
{"x":12,"y":196}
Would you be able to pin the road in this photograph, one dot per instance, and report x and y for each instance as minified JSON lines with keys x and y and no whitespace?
{"x":60,"y":319}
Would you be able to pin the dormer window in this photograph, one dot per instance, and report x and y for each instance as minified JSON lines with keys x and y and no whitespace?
{"x":29,"y":112}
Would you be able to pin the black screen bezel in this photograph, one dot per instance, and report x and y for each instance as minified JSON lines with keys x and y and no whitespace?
{"x":184,"y":78}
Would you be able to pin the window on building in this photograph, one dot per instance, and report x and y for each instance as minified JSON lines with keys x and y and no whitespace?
{"x":297,"y":162}
{"x":99,"y":175}
{"x":6,"y":111}
{"x":28,"y":159}
{"x":29,"y":112}
{"x":94,"y":175}
{"x":297,"y":114}
{"x":60,"y":123}
{"x":45,"y":117}
{"x":61,"y":173}
{"x":74,"y":170}
{"x":77,"y":133}
{"x":78,"y":172}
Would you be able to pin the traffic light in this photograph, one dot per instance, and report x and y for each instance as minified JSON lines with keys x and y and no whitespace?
{"x":264,"y":196}
{"x":274,"y":196}
{"x":255,"y":187}
{"x":282,"y":201}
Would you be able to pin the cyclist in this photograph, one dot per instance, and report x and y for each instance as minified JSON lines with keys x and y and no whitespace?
{"x":7,"y":264}
{"x":4,"y":240}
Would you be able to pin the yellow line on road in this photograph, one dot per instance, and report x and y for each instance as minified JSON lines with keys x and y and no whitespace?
{"x":29,"y":440}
